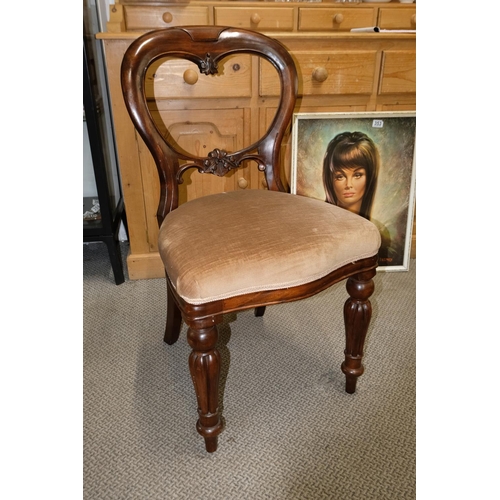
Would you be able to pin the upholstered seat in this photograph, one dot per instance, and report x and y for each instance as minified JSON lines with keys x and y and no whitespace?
{"x":249,"y":248}
{"x":229,"y":244}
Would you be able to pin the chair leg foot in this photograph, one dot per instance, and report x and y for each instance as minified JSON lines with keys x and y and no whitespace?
{"x":357,"y":315}
{"x":174,"y":319}
{"x":352,"y":369}
{"x":211,"y":444}
{"x":204,"y":365}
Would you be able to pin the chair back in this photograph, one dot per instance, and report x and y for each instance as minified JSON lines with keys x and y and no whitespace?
{"x":205,"y":46}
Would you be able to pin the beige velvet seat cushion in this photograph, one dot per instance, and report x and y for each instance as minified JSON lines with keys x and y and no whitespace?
{"x":239,"y":242}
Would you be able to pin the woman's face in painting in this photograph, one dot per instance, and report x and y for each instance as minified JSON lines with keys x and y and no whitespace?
{"x":349,"y":186}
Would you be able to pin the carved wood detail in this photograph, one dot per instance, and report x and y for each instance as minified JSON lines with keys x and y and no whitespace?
{"x":208,"y":66}
{"x":219,"y":163}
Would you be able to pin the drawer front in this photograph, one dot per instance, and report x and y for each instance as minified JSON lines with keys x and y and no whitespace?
{"x":326,"y":73}
{"x":258,"y":19}
{"x":402,"y":19}
{"x":399,"y":73}
{"x":336,"y":19}
{"x":139,"y":18}
{"x":178,"y":78}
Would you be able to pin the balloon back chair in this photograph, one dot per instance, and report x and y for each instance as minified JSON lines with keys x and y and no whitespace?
{"x":243,"y":249}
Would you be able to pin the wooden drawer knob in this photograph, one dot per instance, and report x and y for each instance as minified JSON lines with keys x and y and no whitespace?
{"x":320,"y":74}
{"x":338,"y":18}
{"x":255,"y":18}
{"x":414,"y":19}
{"x":190,"y":76}
{"x":242,"y":182}
{"x":167,"y":17}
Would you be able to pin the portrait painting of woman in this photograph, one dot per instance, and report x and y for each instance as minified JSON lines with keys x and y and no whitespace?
{"x":350,"y":172}
{"x":364,"y":163}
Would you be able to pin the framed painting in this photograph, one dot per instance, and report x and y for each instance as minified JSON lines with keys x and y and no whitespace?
{"x":365,"y":163}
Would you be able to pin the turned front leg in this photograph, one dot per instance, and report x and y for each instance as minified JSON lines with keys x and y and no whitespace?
{"x":204,"y":364}
{"x":357,"y":315}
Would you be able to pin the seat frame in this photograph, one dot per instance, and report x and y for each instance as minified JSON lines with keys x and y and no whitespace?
{"x":206,"y":46}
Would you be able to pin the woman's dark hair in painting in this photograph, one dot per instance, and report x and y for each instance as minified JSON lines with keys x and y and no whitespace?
{"x":349,"y":150}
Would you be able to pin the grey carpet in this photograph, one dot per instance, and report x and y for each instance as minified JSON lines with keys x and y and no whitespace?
{"x":291,"y":430}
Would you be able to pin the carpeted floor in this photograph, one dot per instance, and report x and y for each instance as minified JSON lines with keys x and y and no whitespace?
{"x":291,"y":430}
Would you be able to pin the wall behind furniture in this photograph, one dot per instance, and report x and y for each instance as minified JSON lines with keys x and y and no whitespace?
{"x":89,"y":185}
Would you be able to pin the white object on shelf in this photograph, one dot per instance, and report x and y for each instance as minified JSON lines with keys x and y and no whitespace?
{"x":376,"y":29}
{"x":376,"y":1}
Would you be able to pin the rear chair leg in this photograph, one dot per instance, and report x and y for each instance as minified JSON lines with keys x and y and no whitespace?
{"x":357,"y":315}
{"x":174,"y":319}
{"x":259,"y":311}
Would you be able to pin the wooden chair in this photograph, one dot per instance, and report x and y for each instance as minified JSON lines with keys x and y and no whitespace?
{"x":249,"y":248}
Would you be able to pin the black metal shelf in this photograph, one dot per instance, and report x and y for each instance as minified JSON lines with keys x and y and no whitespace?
{"x":112,"y":211}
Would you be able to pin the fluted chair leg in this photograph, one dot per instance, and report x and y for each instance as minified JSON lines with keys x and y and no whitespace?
{"x":174,"y":319}
{"x":204,"y":365}
{"x":357,"y":315}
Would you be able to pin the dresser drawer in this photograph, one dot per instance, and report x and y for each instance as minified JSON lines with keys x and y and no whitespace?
{"x":335,"y":19}
{"x":326,"y":73}
{"x":139,"y":18}
{"x":402,"y":19}
{"x":176,"y":79}
{"x":258,"y":19}
{"x":398,"y":72}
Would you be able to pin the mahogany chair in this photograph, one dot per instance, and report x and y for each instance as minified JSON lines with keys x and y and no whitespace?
{"x":249,"y":248}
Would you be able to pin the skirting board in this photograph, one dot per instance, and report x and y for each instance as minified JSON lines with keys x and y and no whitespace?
{"x":145,"y":266}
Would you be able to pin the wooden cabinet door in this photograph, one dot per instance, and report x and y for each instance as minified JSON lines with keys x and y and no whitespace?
{"x":197,"y":132}
{"x":398,"y":75}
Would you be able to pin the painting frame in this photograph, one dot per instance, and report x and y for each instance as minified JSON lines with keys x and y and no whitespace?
{"x":394,"y":136}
